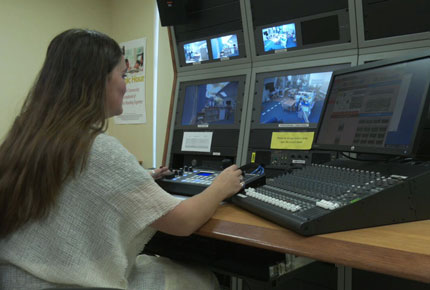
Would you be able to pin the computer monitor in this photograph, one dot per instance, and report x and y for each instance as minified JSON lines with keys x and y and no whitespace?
{"x":224,"y":47}
{"x":307,"y":31}
{"x":207,"y":128}
{"x":227,"y":47}
{"x":279,"y":37}
{"x":285,"y":112}
{"x":210,"y":103}
{"x":196,"y":52}
{"x":390,"y":23}
{"x":381,"y":108}
{"x":291,"y":99}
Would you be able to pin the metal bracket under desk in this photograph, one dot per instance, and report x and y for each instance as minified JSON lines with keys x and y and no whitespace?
{"x":236,"y":283}
{"x":344,"y":277}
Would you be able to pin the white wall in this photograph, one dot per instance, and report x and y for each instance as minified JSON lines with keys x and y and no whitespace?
{"x":27,"y":27}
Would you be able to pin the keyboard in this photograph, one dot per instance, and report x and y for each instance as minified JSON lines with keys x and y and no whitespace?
{"x":195,"y":181}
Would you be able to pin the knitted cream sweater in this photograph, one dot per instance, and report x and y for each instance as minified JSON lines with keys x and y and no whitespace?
{"x":93,"y":235}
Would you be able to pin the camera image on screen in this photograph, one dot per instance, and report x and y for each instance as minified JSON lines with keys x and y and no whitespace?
{"x":294,"y":99}
{"x":224,"y":46}
{"x":279,"y":37}
{"x":210,"y":103}
{"x":196,"y":51}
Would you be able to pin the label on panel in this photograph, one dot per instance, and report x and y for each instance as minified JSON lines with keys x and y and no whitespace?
{"x":292,"y":140}
{"x":197,"y":141}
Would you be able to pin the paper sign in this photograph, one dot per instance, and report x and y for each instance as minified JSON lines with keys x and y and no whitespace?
{"x":197,"y":141}
{"x":133,"y":103}
{"x":292,"y":140}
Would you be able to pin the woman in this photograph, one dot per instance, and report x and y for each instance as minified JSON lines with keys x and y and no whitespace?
{"x":75,"y":206}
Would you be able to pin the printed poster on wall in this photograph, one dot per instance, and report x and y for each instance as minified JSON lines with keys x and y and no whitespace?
{"x":133,"y":104}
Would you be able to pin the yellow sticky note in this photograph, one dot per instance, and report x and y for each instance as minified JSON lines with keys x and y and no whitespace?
{"x":253,"y":157}
{"x":292,"y":140}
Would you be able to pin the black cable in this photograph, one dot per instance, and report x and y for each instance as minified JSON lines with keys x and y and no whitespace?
{"x":388,"y":159}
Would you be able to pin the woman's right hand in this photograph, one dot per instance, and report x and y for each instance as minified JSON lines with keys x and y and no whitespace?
{"x":229,"y":181}
{"x":193,"y":212}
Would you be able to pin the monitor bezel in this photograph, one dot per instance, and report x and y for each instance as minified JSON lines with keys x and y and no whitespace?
{"x":411,"y":151}
{"x":241,"y":79}
{"x":258,"y":94}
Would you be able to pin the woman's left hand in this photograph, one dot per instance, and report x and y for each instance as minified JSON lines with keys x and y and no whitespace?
{"x":160,"y":172}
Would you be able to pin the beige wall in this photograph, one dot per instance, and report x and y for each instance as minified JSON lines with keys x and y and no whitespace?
{"x":26,"y":28}
{"x":134,"y":19}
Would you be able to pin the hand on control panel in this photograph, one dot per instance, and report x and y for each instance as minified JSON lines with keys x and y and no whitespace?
{"x":229,"y":181}
{"x":161,"y":172}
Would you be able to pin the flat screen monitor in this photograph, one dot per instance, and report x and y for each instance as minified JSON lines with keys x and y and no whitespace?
{"x":211,"y":103}
{"x":292,"y":98}
{"x":196,"y":52}
{"x":380,"y":107}
{"x":279,"y":37}
{"x":212,"y":48}
{"x":225,"y":46}
{"x":293,"y":34}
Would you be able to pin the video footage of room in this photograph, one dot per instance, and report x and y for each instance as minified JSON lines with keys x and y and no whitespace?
{"x":294,"y":99}
{"x":210,"y":104}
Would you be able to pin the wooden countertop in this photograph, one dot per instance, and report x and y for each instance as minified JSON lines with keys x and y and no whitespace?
{"x":401,"y":250}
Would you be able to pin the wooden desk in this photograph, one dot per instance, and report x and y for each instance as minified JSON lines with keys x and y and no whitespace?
{"x":401,"y":250}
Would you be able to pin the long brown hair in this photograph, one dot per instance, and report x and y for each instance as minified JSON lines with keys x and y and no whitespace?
{"x":50,"y":139}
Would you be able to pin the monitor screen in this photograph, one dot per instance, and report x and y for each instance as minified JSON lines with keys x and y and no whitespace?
{"x":224,"y":46}
{"x":376,"y":108}
{"x":196,"y":52}
{"x":279,"y":37}
{"x":294,"y":98}
{"x":210,"y":103}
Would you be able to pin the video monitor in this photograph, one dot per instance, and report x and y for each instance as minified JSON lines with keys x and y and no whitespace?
{"x":225,"y":46}
{"x":380,"y":107}
{"x":292,"y":98}
{"x":279,"y":37}
{"x":321,"y":32}
{"x":212,"y":103}
{"x":196,"y":52}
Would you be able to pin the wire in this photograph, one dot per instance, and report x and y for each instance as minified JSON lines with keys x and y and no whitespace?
{"x":259,"y":170}
{"x":388,"y":159}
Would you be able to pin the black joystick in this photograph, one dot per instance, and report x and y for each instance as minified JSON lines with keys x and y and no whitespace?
{"x":171,"y":175}
{"x":226,"y":163}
